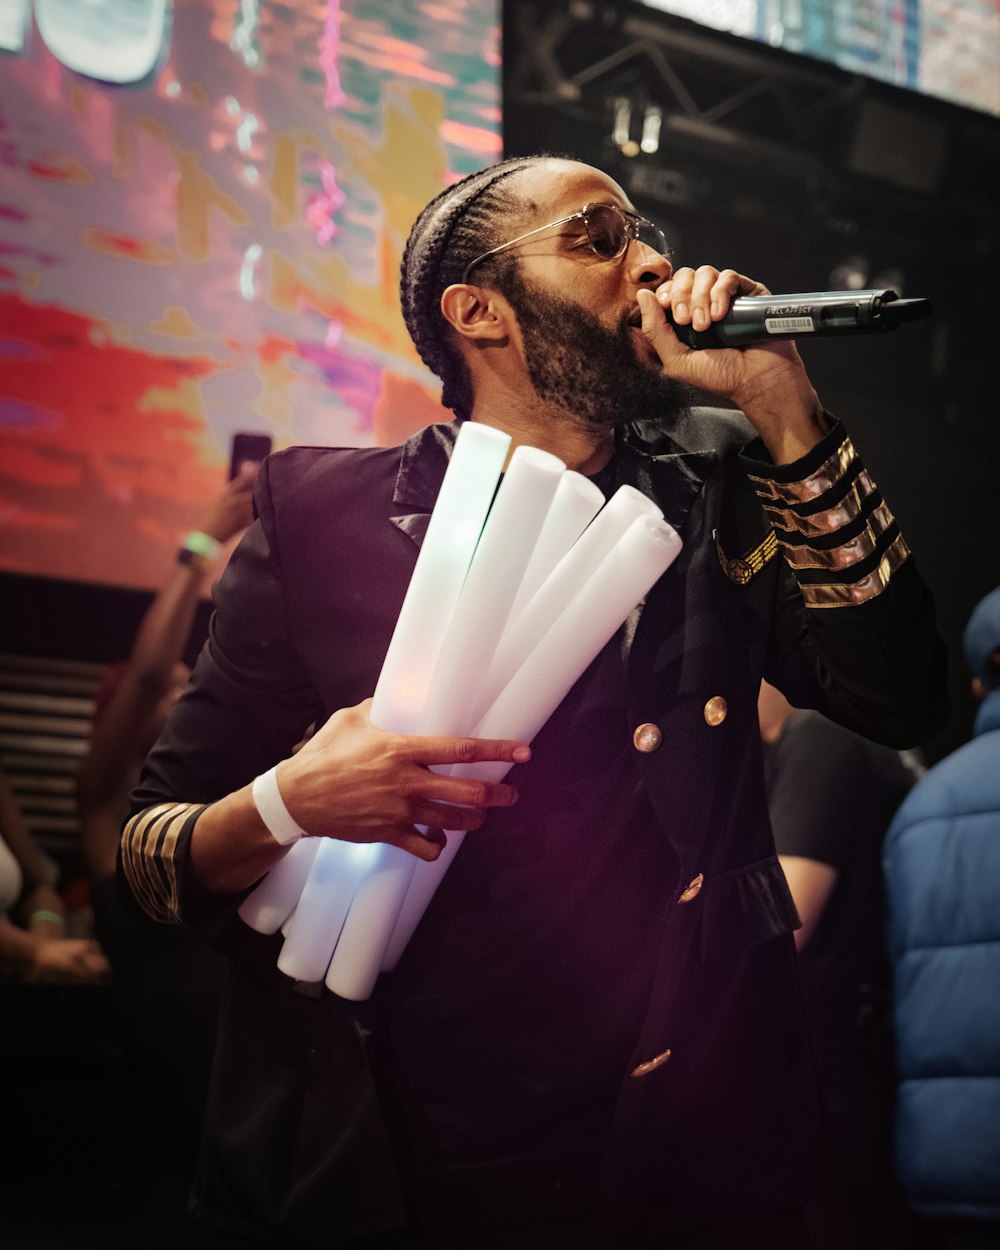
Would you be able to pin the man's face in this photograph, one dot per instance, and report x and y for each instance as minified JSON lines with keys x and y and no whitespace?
{"x":577,"y":312}
{"x":575,"y":362}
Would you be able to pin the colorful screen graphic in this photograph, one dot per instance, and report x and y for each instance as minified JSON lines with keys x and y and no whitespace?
{"x":944,"y":48}
{"x":200,"y":234}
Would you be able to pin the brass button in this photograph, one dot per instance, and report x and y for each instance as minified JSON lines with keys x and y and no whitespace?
{"x":693,"y":890}
{"x":716,"y":710}
{"x":647,"y":737}
{"x":651,"y":1064}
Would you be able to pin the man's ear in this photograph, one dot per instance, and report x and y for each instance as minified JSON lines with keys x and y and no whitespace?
{"x":476,"y":312}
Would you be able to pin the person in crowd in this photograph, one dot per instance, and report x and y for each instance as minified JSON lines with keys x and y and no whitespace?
{"x":942,"y":870}
{"x":595,"y":1035}
{"x":831,"y":796}
{"x":50,"y":984}
{"x":136,"y":695}
{"x":33,"y":941}
{"x":168,"y":982}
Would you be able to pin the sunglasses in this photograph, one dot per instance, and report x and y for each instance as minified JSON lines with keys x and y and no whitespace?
{"x":610,"y":230}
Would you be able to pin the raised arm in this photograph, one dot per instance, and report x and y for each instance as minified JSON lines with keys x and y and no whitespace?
{"x":768,"y":382}
{"x":150,"y":680}
{"x":856,"y":634}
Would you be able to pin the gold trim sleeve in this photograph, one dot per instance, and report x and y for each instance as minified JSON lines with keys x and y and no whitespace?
{"x":847,"y":554}
{"x":851,"y":595}
{"x":829,"y":521}
{"x":829,"y":473}
{"x":149,"y":844}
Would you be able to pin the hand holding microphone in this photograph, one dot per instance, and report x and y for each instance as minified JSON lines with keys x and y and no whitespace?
{"x":711,"y":308}
{"x":768,"y":318}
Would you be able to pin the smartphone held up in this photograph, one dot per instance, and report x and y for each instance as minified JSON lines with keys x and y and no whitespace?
{"x":247,"y":450}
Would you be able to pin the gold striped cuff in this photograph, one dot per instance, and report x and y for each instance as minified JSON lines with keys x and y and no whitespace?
{"x":829,"y":473}
{"x":829,"y":521}
{"x":849,"y":595}
{"x":847,"y":554}
{"x":149,"y":842}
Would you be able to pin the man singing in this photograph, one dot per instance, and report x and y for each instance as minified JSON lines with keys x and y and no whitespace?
{"x":595,"y":1035}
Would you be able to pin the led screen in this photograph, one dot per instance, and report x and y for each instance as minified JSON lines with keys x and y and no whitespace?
{"x":202,"y":213}
{"x":944,"y":48}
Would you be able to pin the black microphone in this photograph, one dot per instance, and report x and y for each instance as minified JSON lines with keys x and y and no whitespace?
{"x":767,"y":318}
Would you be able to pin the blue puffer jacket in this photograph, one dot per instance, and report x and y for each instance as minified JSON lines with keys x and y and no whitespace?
{"x":942,"y":867}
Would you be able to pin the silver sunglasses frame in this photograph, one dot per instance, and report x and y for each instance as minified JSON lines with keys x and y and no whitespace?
{"x":632,"y":219}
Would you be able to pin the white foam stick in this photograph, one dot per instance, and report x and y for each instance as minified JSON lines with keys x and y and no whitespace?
{"x":458,"y":694}
{"x":565,"y":580}
{"x":401,"y":691}
{"x":322,"y":908}
{"x":453,"y":532}
{"x":268,"y":906}
{"x":524,"y":631}
{"x":458,"y":698}
{"x":602,"y":602}
{"x":577,"y":501}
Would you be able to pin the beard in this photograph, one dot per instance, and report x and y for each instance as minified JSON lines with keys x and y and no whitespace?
{"x":578,"y":364}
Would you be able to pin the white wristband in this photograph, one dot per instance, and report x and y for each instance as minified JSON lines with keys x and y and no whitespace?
{"x":272,"y":810}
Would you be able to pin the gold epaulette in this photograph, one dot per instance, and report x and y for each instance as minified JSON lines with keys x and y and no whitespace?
{"x":740,"y":569}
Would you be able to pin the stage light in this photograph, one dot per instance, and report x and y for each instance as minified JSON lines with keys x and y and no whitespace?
{"x":621,"y":128}
{"x":850,"y":274}
{"x":651,"y":122}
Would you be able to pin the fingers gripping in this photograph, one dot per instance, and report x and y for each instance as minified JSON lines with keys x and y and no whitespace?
{"x":357,"y":782}
{"x":425,"y":846}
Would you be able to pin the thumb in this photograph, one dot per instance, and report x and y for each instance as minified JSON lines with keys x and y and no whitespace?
{"x":657,"y":328}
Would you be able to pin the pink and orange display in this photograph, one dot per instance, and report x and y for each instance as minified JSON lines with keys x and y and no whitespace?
{"x":210,"y":248}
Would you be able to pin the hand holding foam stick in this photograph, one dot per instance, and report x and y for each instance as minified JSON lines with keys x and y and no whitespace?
{"x":457,"y":696}
{"x":400,"y":695}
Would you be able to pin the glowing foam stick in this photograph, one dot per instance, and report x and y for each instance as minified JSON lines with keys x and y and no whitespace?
{"x":440,"y":572}
{"x":322,"y":908}
{"x":576,"y":503}
{"x":601,"y":604}
{"x":267,"y":907}
{"x":457,"y":698}
{"x":565,"y":580}
{"x":401,"y":692}
{"x":546,"y":606}
{"x":458,"y":694}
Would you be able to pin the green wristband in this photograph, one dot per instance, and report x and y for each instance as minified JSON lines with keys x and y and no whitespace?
{"x":202,"y":544}
{"x":52,"y":917}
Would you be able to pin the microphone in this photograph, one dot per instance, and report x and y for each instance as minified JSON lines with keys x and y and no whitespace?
{"x":767,"y":318}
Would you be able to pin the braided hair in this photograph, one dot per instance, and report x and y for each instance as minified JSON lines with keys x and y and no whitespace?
{"x":458,"y":225}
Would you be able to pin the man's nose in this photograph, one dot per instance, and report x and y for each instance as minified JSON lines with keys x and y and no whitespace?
{"x":646,"y":266}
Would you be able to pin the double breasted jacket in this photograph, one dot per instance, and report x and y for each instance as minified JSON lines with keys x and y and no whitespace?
{"x":796,"y":573}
